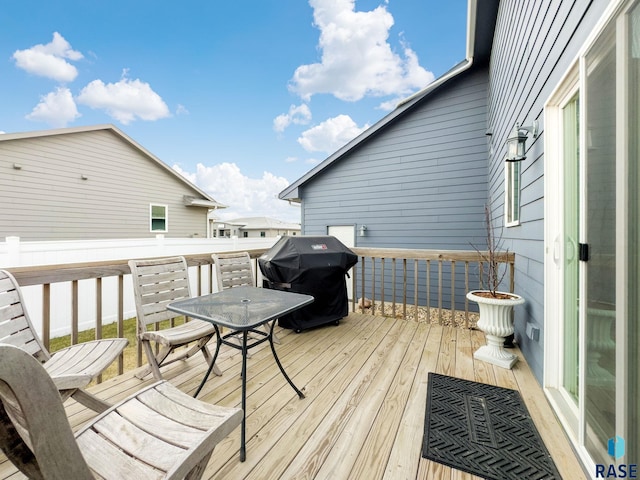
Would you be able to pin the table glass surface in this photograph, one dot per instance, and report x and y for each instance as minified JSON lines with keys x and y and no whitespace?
{"x":241,"y":307}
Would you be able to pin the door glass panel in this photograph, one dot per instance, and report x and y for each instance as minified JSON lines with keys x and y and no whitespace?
{"x":570,"y":121}
{"x":633,"y":243}
{"x":599,"y":234}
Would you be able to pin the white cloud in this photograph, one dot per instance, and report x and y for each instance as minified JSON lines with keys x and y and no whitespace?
{"x":125,"y":100}
{"x":56,"y":108}
{"x":246,"y":197}
{"x":391,"y":104}
{"x":299,"y":115}
{"x":330,"y":135}
{"x":357,"y":60}
{"x":49,"y":60}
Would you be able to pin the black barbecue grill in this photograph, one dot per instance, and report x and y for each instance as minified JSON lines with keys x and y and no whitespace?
{"x":315,"y":266}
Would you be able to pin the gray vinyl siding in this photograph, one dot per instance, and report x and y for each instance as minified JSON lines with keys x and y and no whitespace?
{"x":535,"y":44}
{"x":48,"y":200}
{"x":419,"y":183}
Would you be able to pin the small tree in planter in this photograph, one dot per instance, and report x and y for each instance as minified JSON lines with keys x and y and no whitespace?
{"x":495,"y":307}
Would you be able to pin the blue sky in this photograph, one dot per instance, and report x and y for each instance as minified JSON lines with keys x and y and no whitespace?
{"x":242,"y":97}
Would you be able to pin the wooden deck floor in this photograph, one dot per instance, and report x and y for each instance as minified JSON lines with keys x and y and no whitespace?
{"x":365,"y":383}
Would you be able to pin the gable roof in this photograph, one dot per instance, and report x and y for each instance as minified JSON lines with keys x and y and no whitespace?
{"x":205,"y":201}
{"x":481,"y":20}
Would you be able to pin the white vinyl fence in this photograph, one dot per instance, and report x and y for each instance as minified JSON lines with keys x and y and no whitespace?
{"x":14,"y":253}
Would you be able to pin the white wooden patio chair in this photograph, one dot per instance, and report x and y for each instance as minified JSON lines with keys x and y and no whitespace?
{"x":156,"y":283}
{"x":71,"y":368}
{"x":236,"y":270}
{"x":159,"y":432}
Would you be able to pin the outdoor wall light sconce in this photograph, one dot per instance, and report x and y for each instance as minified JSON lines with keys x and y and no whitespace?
{"x":363,"y":230}
{"x":516,"y":143}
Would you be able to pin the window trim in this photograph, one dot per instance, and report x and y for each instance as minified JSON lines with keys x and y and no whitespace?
{"x":512,"y":215}
{"x":152,"y":218}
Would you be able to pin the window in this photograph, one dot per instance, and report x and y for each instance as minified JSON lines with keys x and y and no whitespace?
{"x":158,"y":221}
{"x":512,"y":193}
{"x":245,"y":234}
{"x":263,"y":234}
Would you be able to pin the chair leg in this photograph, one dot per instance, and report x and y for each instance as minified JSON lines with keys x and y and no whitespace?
{"x":154,"y":362}
{"x":207,"y":356}
{"x":216,"y":370}
{"x":197,"y":471}
{"x":275,"y":337}
{"x":193,"y":350}
{"x":267,"y":327}
{"x":90,"y":401}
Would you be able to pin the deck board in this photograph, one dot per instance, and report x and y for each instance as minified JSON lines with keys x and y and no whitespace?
{"x":365,"y":383}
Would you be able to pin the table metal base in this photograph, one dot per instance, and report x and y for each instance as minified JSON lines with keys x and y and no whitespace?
{"x":244,"y":347}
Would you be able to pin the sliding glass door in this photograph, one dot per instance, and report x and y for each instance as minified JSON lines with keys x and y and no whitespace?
{"x":597,"y":247}
{"x":631,"y":292}
{"x":593,"y":276}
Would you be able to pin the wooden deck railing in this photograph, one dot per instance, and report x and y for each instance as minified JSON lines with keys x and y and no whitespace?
{"x":418,"y":279}
{"x":397,"y":276}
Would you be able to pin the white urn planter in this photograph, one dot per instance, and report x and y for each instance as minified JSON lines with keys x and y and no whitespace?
{"x":495,"y":321}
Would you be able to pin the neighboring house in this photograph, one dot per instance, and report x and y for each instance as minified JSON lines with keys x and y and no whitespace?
{"x":254,"y":227}
{"x":93,"y":183}
{"x":570,"y":209}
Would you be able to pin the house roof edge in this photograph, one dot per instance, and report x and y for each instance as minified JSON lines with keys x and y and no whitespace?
{"x":109,"y":127}
{"x":473,"y":49}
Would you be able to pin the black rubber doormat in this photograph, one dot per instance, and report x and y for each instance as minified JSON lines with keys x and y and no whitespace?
{"x":483,"y":430}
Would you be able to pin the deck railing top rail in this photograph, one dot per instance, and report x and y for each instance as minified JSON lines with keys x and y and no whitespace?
{"x":446,"y":255}
{"x":43,"y":274}
{"x":47,"y":274}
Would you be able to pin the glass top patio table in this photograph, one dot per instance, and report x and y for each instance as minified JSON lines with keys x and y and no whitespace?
{"x":241,"y":308}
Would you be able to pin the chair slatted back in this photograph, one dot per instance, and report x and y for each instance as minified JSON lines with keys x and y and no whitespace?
{"x":233,"y":270}
{"x":15,"y":326}
{"x":158,"y":282}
